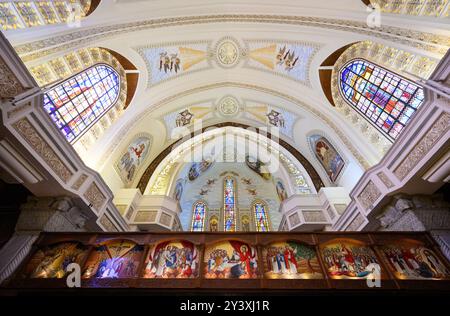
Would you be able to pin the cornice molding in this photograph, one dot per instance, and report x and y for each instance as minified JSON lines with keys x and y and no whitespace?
{"x":422,"y":40}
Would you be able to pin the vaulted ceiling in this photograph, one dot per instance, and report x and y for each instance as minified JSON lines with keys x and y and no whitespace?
{"x":222,"y":60}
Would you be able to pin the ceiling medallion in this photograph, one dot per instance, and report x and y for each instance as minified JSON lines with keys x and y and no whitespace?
{"x":228,"y":106}
{"x":227,"y":53}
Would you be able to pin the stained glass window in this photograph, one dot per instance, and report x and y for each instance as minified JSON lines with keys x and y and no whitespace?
{"x":387,"y":100}
{"x":77,"y":103}
{"x":261,"y":220}
{"x":198,"y":218}
{"x":229,"y":205}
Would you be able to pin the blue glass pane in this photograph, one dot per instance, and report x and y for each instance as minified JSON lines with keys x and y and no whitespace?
{"x":81,"y":100}
{"x":386,"y":99}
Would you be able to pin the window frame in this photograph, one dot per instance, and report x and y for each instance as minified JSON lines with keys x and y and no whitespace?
{"x":97,"y":118}
{"x":378,"y":87}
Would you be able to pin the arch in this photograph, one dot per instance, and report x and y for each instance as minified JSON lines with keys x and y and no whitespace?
{"x":384,"y":98}
{"x":260,"y":211}
{"x":330,"y":158}
{"x":229,"y":204}
{"x":80,"y":101}
{"x":326,"y":72}
{"x":31,"y":13}
{"x":199,"y":210}
{"x":148,"y":173}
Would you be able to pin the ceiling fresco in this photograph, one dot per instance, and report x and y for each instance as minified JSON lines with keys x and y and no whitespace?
{"x":167,"y":61}
{"x":288,"y":59}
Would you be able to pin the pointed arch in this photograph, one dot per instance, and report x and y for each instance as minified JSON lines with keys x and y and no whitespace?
{"x":80,"y":101}
{"x":198,"y":216}
{"x":261,"y":214}
{"x":229,"y":204}
{"x":384,"y":98}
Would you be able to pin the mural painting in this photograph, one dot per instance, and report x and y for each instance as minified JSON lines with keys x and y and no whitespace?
{"x":172,"y":259}
{"x":328,"y":157}
{"x":197,"y":168}
{"x":291,"y":260}
{"x":408,"y":260}
{"x":348,"y":259}
{"x":130,"y":161}
{"x":281,"y":191}
{"x":258,"y":166}
{"x":178,"y":190}
{"x":115,"y":259}
{"x":52,"y":261}
{"x":230,"y":260}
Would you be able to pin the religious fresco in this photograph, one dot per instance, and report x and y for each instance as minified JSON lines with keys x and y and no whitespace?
{"x":272,"y":116}
{"x":291,"y":260}
{"x":214,"y":224}
{"x":130,"y":161}
{"x":258,"y":166}
{"x":230,"y":259}
{"x":52,"y":261}
{"x":187,"y":116}
{"x":178,"y":189}
{"x":114,"y":259}
{"x":197,"y":168}
{"x":328,"y":156}
{"x":169,"y":61}
{"x":281,"y":191}
{"x":413,"y":261}
{"x":172,"y":259}
{"x":348,"y":259}
{"x":290,"y":60}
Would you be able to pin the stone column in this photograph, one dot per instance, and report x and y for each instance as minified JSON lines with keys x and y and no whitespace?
{"x":38,"y":215}
{"x":419,"y":213}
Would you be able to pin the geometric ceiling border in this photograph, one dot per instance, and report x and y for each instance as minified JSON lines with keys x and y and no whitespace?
{"x":422,"y":40}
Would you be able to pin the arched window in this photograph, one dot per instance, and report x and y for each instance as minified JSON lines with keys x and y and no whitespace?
{"x":80,"y":101}
{"x":198,"y":217}
{"x":384,"y":98}
{"x":261,"y":216}
{"x":229,"y":204}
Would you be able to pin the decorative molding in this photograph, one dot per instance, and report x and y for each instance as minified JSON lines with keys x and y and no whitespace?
{"x":313,"y":216}
{"x":340,"y":208}
{"x":94,"y":196}
{"x":356,"y":223}
{"x":165,"y":219}
{"x":434,"y":134}
{"x":10,"y":86}
{"x":294,"y":219}
{"x":107,"y":224}
{"x":14,"y":252}
{"x":426,"y":41}
{"x":228,"y":52}
{"x":79,"y":182}
{"x":385,"y":179}
{"x":146,"y":216}
{"x":369,"y":195}
{"x":29,"y":133}
{"x":18,"y":108}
